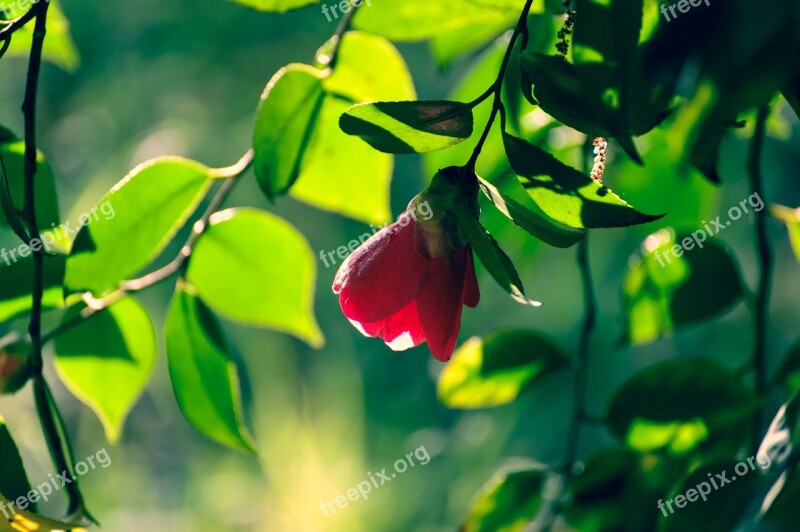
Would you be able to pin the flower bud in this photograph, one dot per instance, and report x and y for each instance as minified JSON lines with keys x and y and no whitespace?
{"x":15,"y":367}
{"x":439,"y":234}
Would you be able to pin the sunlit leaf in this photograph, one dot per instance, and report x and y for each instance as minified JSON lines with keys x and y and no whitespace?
{"x":285,"y":122}
{"x":25,"y":521}
{"x":106,"y":360}
{"x":256,"y":268}
{"x":492,"y":370}
{"x":409,"y":127}
{"x":59,"y":47}
{"x":134,"y":222}
{"x":16,"y":286}
{"x":204,"y":378}
{"x":564,"y":193}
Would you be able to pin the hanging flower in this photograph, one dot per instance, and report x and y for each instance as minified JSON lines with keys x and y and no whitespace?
{"x":408,"y":283}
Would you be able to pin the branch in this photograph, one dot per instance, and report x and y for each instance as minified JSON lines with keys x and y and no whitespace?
{"x":95,"y":305}
{"x":765,"y":263}
{"x":329,"y":59}
{"x":497,"y":86}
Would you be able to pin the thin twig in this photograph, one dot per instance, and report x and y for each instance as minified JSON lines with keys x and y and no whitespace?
{"x":344,"y":25}
{"x":765,"y":263}
{"x":497,"y":86}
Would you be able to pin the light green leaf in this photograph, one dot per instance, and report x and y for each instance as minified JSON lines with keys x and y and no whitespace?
{"x":409,"y":127}
{"x":204,"y":378}
{"x":256,"y":268}
{"x":508,"y":502}
{"x":369,"y":68}
{"x":134,"y":222}
{"x":415,"y":20}
{"x":106,"y":360}
{"x":340,"y":173}
{"x":494,"y":369}
{"x":791,"y":217}
{"x":285,"y":122}
{"x":565,"y":194}
{"x":280,"y":6}
{"x":59,"y":47}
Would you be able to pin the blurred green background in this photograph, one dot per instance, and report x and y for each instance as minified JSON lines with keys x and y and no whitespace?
{"x":180,"y":77}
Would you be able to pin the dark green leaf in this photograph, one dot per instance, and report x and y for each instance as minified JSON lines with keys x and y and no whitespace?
{"x":15,"y":285}
{"x":9,"y":210}
{"x":204,"y":378}
{"x":409,"y":127}
{"x":664,"y":291}
{"x":106,"y":361}
{"x":508,"y":502}
{"x":716,"y":510}
{"x":678,"y":404}
{"x":13,"y":479}
{"x":256,"y":268}
{"x":493,"y":258}
{"x":285,"y":122}
{"x":134,"y":222}
{"x":492,"y":370}
{"x":565,"y":194}
{"x":789,"y":372}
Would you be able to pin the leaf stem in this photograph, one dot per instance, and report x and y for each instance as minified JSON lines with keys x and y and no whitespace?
{"x":497,"y":86}
{"x":765,"y":264}
{"x":344,"y":25}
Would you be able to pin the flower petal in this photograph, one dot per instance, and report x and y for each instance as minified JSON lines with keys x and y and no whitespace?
{"x":440,"y":303}
{"x":400,"y":331}
{"x":472,"y":295}
{"x":382,"y":276}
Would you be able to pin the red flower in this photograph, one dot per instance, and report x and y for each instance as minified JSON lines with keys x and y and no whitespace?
{"x":407,"y":286}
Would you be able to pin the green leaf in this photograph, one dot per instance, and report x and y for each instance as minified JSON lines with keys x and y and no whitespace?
{"x":678,"y":404}
{"x":342,"y":174}
{"x":280,"y":6}
{"x":16,"y":286}
{"x":791,"y":217}
{"x":9,"y":210}
{"x":565,"y":194}
{"x":450,"y":45}
{"x":664,"y":291}
{"x":409,"y":127}
{"x":612,"y":492}
{"x":717,"y":510}
{"x":789,"y":373}
{"x":256,"y":268}
{"x":47,"y":214}
{"x":285,"y":122}
{"x":368,"y":68}
{"x":106,"y":360}
{"x":13,"y":479}
{"x":493,"y":258}
{"x":515,"y":203}
{"x":204,"y":378}
{"x":415,"y":20}
{"x":59,"y":47}
{"x":134,"y":222}
{"x":494,"y":369}
{"x":508,"y":502}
